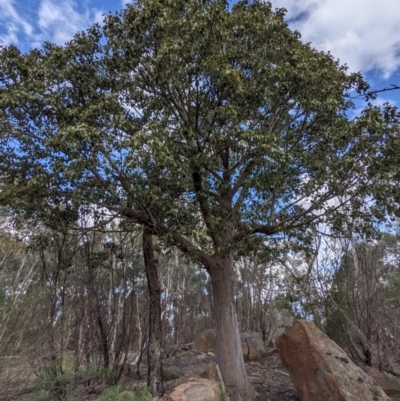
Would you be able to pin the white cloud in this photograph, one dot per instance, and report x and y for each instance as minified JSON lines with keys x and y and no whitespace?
{"x":10,"y":37}
{"x":51,"y":20}
{"x":59,"y":21}
{"x":12,"y":23}
{"x":365,"y":34}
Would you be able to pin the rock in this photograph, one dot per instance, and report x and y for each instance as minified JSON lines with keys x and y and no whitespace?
{"x":210,"y":372}
{"x":395,"y":368}
{"x":172,"y":373}
{"x":176,"y":349}
{"x":205,"y":340}
{"x":388,"y":384}
{"x":187,"y":347}
{"x":321,"y":370}
{"x":190,"y":363}
{"x":252,"y":344}
{"x":197,"y":390}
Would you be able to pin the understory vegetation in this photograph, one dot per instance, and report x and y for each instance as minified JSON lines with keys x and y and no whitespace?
{"x":73,"y":306}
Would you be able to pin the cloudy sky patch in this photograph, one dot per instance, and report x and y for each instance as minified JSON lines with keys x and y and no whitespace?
{"x":12,"y":23}
{"x":365,"y":34}
{"x":59,"y":21}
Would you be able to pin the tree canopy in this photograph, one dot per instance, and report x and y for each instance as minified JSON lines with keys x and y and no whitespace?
{"x":187,"y":114}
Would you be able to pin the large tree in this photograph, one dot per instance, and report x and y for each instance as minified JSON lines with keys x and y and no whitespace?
{"x":213,"y":127}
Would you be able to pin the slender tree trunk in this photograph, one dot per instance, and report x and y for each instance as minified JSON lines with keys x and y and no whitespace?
{"x":104,"y":337}
{"x":229,"y":348}
{"x":154,"y":378}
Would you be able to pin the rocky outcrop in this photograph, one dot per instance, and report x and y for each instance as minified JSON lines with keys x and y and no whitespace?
{"x":389,"y":384}
{"x":205,"y":341}
{"x":252,"y":344}
{"x":190,"y":363}
{"x":321,"y":370}
{"x":196,"y":390}
{"x":210,"y":372}
{"x":172,"y":373}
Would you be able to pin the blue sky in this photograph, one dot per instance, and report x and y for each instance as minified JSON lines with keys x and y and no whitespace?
{"x":365,"y":34}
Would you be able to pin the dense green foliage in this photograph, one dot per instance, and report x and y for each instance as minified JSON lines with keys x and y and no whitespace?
{"x":186,"y":116}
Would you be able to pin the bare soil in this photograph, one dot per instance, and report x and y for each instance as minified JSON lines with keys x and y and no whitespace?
{"x":269,"y":377}
{"x":271,"y":380}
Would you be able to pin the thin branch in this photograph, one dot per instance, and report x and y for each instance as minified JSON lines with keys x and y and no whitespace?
{"x":372,"y":94}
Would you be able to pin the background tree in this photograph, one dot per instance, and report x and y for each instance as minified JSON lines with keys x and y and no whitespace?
{"x":363,"y":316}
{"x":190,"y":115}
{"x":67,"y":309}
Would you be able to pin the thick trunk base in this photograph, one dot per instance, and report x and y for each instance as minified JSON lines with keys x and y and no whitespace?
{"x":228,"y":346}
{"x":154,"y":374}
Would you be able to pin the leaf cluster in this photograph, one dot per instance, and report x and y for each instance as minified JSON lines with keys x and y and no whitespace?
{"x":190,"y":116}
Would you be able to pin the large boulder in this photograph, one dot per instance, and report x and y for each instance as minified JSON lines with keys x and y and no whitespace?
{"x":205,"y":341}
{"x":210,"y":372}
{"x":390,"y":385}
{"x":197,"y":390}
{"x":172,"y":373}
{"x":252,"y":344}
{"x":190,"y":363}
{"x":321,"y":370}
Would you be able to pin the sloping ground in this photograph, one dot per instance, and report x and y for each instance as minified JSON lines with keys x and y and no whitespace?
{"x":271,"y":380}
{"x":269,"y":377}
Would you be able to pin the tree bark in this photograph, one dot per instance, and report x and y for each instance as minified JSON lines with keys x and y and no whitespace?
{"x":154,"y":377}
{"x":228,"y":347}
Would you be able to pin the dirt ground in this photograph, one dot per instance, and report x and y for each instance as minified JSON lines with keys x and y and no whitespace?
{"x":269,"y":377}
{"x":271,"y":380}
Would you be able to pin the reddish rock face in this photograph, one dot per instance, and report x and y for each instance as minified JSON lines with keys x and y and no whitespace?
{"x":205,"y":341}
{"x":196,"y":390}
{"x":321,"y":370}
{"x":210,"y":372}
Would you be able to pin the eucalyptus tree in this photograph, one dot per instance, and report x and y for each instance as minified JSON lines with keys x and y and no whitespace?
{"x":212,"y":127}
{"x":362,"y":311}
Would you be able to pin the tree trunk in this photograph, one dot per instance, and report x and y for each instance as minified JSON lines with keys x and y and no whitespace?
{"x":154,"y":377}
{"x":228,"y":348}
